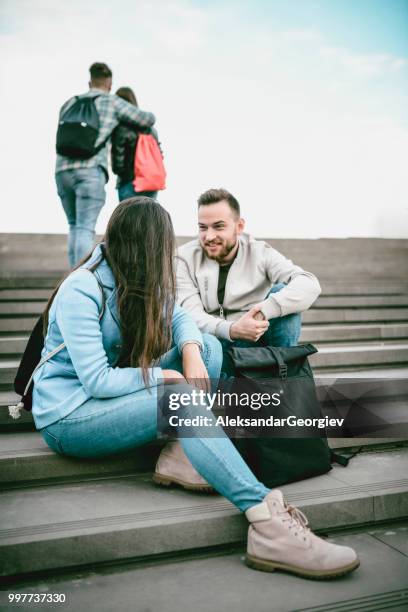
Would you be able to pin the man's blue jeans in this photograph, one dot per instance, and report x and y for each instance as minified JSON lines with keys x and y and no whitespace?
{"x":103,"y":426}
{"x":82,"y":194}
{"x":282,"y":331}
{"x":127,"y":190}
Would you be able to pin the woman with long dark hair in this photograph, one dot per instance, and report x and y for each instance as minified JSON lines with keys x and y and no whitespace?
{"x":123,"y":336}
{"x":124,"y":142}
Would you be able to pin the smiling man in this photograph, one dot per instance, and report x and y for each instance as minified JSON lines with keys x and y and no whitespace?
{"x":240,"y":289}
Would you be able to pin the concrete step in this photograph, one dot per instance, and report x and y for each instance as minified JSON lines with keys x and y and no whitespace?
{"x":24,"y":306}
{"x":357,"y":287}
{"x":361,"y":301}
{"x":14,"y":345}
{"x":8,"y":369}
{"x":323,"y":316}
{"x":33,"y":280}
{"x":32,"y":286}
{"x":24,"y":295}
{"x":221,"y":581}
{"x":17,"y":325}
{"x":328,"y":357}
{"x":387,"y":383}
{"x":339,"y":357}
{"x":359,"y":355}
{"x":124,"y":518}
{"x":17,"y":309}
{"x":312,"y":318}
{"x":26,"y":460}
{"x":350,"y":258}
{"x":9,"y":296}
{"x":317,"y":334}
{"x":370,"y":373}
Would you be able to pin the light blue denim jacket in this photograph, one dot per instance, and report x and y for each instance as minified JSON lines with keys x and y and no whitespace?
{"x":86,"y":367}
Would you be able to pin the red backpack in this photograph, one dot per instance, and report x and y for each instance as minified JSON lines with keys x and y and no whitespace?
{"x":150,"y":173}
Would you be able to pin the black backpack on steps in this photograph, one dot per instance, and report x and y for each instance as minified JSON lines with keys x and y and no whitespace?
{"x":279,"y":460}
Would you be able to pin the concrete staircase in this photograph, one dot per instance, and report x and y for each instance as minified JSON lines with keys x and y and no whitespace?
{"x":59,"y":512}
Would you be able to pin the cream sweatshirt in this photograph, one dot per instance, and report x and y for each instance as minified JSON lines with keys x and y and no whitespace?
{"x":256,"y":268}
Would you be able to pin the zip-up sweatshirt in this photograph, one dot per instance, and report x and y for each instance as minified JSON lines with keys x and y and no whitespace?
{"x":256,"y":268}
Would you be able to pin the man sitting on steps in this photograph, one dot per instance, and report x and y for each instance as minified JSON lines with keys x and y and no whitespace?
{"x":240,"y":289}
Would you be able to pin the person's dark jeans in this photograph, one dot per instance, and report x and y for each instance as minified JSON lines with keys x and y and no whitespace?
{"x":127,"y":190}
{"x":282,"y":331}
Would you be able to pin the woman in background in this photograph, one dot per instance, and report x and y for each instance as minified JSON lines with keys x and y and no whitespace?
{"x":124,"y":141}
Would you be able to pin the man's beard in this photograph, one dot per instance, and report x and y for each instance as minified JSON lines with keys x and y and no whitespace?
{"x":225,"y":251}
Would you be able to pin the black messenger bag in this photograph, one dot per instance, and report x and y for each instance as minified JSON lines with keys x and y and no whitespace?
{"x":279,"y":455}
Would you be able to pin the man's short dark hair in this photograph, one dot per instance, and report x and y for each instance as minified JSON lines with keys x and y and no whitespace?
{"x":213,"y":196}
{"x":100,"y":72}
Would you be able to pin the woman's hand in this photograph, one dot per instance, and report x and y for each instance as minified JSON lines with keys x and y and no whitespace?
{"x":172,"y":376}
{"x":194,"y":369}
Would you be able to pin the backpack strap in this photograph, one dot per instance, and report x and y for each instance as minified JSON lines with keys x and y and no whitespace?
{"x":105,"y":140}
{"x":103,"y":143}
{"x":61,"y":346}
{"x":343,"y":459}
{"x":15,"y":411}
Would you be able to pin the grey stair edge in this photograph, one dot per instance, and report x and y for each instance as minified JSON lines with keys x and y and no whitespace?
{"x":357,"y":301}
{"x":391,"y":387}
{"x":324,"y":358}
{"x":342,"y":289}
{"x":26,"y":468}
{"x":324,"y":316}
{"x":33,"y":465}
{"x":10,"y":350}
{"x":384,"y":334}
{"x":20,"y":307}
{"x":359,"y":358}
{"x":145,"y":534}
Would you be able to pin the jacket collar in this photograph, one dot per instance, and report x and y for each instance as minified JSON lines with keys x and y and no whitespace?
{"x":103,"y":270}
{"x":96,"y":90}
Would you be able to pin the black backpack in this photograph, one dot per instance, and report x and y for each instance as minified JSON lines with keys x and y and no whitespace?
{"x":31,"y":361}
{"x":279,"y":460}
{"x":78,"y":129}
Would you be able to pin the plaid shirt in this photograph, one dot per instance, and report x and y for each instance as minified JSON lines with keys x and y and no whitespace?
{"x":111,"y":110}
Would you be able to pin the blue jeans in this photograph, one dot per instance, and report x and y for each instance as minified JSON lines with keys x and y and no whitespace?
{"x":103,"y":426}
{"x":82,"y":194}
{"x":127,"y":190}
{"x":282,"y":331}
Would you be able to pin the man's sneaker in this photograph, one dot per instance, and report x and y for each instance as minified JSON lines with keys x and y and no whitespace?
{"x":279,"y":539}
{"x":173,"y":467}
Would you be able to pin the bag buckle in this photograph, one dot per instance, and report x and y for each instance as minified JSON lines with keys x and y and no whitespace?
{"x":283,"y":370}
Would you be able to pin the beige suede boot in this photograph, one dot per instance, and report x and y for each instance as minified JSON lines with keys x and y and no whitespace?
{"x":173,"y":467}
{"x":279,"y":539}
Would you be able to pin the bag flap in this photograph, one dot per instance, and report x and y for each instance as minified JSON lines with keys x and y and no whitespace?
{"x":259,"y":357}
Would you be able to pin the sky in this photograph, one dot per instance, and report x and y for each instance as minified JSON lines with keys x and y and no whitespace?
{"x":298,"y":107}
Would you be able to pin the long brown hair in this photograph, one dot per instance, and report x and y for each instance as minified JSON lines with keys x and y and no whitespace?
{"x":140,"y":247}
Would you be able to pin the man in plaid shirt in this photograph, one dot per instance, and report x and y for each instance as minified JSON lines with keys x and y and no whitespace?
{"x":81,"y":182}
